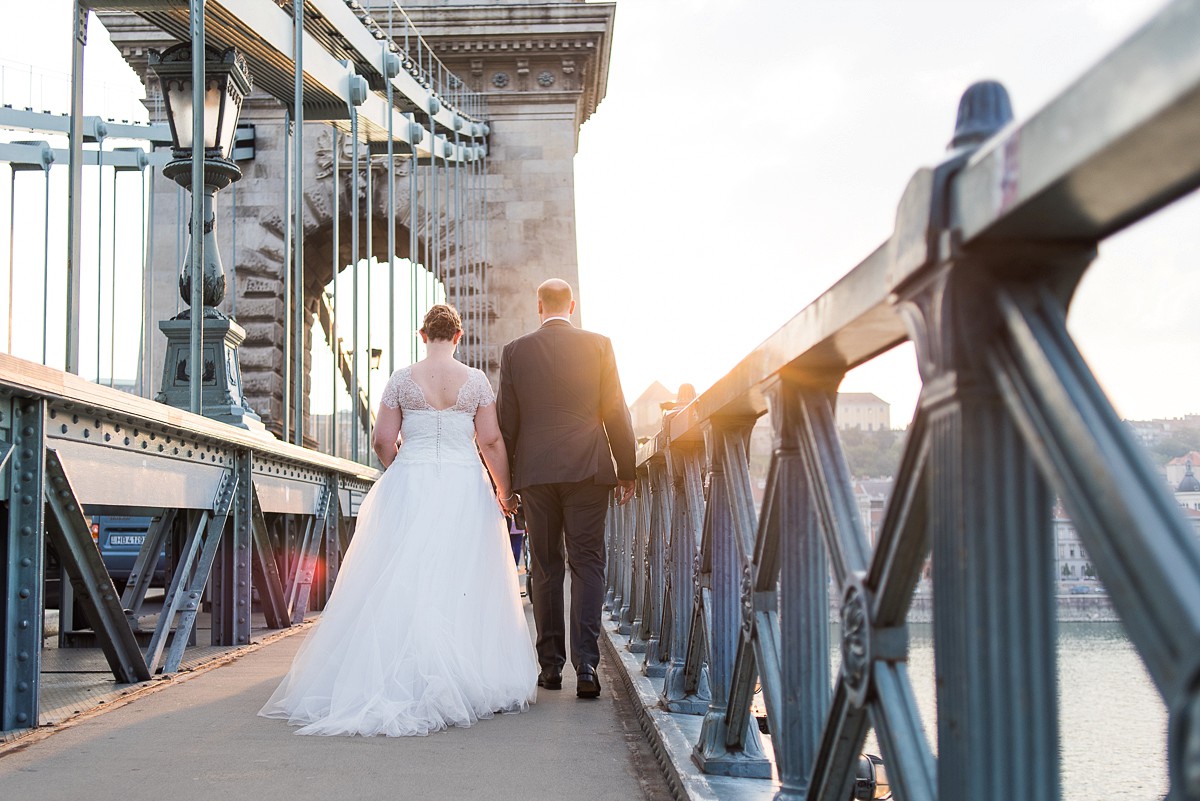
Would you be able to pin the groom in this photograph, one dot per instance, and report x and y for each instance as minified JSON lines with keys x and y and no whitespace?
{"x":564,"y":422}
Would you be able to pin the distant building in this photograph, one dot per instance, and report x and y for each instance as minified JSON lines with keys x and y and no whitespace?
{"x":1180,"y":466}
{"x":647,"y":410}
{"x":872,"y":496}
{"x":863,"y":410}
{"x":1071,"y":562}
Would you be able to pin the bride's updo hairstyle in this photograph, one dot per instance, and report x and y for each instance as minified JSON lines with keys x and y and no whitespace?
{"x":441,"y":323}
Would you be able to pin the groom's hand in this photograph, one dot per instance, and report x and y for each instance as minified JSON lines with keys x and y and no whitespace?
{"x":623,"y":492}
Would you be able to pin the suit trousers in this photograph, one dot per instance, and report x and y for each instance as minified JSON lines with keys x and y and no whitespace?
{"x":569,"y":514}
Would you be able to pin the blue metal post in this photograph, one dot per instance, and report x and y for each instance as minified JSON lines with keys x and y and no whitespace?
{"x":714,"y":752}
{"x":685,"y":686}
{"x":22,"y":577}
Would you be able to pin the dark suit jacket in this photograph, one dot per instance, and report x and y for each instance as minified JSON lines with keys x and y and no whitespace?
{"x":561,"y":410}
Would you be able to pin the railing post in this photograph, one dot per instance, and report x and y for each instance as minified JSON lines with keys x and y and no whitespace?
{"x":21,"y":601}
{"x":639,"y":514}
{"x":610,"y":556}
{"x":994,"y":606}
{"x":721,"y":558}
{"x":796,"y":682}
{"x":685,"y":686}
{"x":628,"y":566}
{"x":231,"y":582}
{"x":656,"y":498}
{"x":616,"y":561}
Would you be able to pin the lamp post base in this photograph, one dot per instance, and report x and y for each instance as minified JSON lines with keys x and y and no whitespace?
{"x":222,"y":378}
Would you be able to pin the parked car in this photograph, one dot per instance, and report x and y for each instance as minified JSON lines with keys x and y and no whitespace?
{"x":1080,"y":589}
{"x":119,"y":539}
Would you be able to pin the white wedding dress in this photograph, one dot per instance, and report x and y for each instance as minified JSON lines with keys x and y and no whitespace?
{"x":424,"y":628}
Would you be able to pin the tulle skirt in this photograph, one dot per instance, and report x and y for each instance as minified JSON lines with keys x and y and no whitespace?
{"x":424,"y":628}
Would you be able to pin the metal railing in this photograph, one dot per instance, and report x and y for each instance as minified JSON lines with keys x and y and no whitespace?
{"x":243,"y":512}
{"x":988,"y":248}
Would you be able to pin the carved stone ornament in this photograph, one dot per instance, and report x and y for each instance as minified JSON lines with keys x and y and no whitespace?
{"x":500,"y":80}
{"x":747,"y":599}
{"x":546,"y":78}
{"x":856,"y":644}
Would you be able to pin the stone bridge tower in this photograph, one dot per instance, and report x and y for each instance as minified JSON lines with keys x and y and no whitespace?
{"x":543,"y":68}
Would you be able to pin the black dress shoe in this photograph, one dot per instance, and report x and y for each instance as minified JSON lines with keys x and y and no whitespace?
{"x":550,"y":678}
{"x":587,"y":684}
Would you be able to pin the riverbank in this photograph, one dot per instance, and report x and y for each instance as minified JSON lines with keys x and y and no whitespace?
{"x":1071,"y":609}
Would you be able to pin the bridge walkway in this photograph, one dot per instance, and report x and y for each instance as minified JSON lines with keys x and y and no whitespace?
{"x":199,"y":738}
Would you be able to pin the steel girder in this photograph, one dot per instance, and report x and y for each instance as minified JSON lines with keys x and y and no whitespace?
{"x":70,"y":446}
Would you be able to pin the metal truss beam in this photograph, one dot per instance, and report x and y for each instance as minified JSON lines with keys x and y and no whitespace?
{"x":94,"y":589}
{"x":21,"y":579}
{"x":305,"y":571}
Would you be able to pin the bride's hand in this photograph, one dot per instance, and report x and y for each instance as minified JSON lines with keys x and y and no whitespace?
{"x":508,"y":504}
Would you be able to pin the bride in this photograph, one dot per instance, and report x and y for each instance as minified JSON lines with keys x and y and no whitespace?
{"x":424,"y":628}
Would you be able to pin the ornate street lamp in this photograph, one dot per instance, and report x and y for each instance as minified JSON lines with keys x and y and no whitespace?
{"x":227,"y":82}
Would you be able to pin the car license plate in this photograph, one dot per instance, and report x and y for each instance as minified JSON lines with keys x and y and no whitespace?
{"x":126,"y":539}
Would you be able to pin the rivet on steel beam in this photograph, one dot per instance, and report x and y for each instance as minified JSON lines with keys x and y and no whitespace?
{"x":22,"y":717}
{"x":23,"y":592}
{"x":22,"y":686}
{"x":26,"y":561}
{"x":23,"y":656}
{"x":26,"y":531}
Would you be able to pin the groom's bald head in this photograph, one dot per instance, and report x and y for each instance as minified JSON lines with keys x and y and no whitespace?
{"x":555,"y":298}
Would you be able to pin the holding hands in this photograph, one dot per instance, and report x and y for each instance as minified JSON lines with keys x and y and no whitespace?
{"x":508,"y":503}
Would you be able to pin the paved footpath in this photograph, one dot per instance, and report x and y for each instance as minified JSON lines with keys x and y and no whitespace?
{"x":200,"y":739}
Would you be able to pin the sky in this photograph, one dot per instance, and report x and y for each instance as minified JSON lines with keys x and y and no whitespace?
{"x":717,"y":227}
{"x":717,"y":244}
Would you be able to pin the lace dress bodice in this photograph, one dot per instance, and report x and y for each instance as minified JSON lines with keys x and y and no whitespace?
{"x":437,"y":435}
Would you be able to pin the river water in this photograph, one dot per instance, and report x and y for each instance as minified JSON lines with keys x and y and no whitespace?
{"x":1113,"y":723}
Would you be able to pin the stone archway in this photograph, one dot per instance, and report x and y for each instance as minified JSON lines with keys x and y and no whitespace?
{"x":543,"y":70}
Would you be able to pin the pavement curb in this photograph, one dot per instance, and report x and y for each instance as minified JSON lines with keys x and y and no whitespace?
{"x":672,"y":745}
{"x":157,"y":684}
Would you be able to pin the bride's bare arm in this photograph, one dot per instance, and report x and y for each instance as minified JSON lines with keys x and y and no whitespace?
{"x":491,"y":445}
{"x":387,"y":433}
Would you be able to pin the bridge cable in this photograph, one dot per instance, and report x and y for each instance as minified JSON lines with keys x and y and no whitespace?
{"x":391,"y":197}
{"x":298,"y":245}
{"x":12,"y":238}
{"x":412,"y":231}
{"x":454,"y":217}
{"x":112,"y":295}
{"x":356,"y":428}
{"x":285,"y":268}
{"x":99,"y":243}
{"x":334,"y":343}
{"x":46,"y":263}
{"x":370,"y":224}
